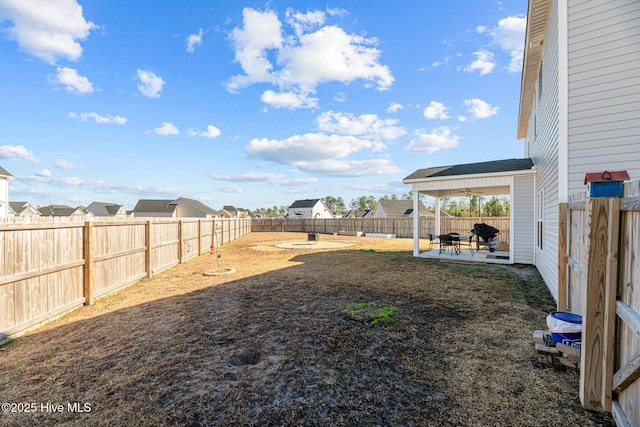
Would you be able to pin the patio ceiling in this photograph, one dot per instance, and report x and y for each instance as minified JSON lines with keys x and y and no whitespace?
{"x":468,"y":191}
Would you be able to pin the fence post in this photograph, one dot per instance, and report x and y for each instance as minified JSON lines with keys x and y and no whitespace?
{"x":199,"y":237}
{"x":562,"y":256}
{"x":147,"y":253}
{"x":180,"y":248}
{"x":88,"y":284}
{"x":598,"y":323}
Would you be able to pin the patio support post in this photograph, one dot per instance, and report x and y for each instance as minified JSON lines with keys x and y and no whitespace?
{"x":416,"y":223}
{"x":437,"y":231}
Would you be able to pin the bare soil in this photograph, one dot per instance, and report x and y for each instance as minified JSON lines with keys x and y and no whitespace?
{"x":272,"y":342}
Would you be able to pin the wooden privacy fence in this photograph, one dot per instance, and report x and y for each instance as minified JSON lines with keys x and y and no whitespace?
{"x":599,"y":278}
{"x":401,"y":227}
{"x":50,"y":268}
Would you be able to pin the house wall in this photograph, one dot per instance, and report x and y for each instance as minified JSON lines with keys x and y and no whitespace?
{"x":378,"y":212}
{"x":542,"y":142}
{"x":321,"y":211}
{"x":523,"y":222}
{"x":604,"y":88}
{"x":184,"y":210}
{"x":4,"y":197}
{"x":154,"y":215}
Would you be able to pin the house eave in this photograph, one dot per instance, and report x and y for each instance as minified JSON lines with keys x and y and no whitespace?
{"x":537,"y":17}
{"x":471,"y":176}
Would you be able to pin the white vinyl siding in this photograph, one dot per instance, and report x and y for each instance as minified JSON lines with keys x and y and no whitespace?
{"x":523,"y":219}
{"x":542,"y":148}
{"x":4,"y":197}
{"x":604,"y":88}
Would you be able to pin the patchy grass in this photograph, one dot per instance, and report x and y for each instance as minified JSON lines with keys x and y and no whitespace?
{"x":371,"y":313}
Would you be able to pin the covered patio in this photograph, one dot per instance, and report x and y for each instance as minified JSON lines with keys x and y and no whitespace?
{"x":466,"y":255}
{"x":513,"y":177}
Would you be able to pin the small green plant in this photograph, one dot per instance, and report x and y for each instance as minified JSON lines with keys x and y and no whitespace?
{"x":371,"y":312}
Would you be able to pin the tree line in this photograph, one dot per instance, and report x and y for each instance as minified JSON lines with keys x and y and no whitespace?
{"x":474,"y":206}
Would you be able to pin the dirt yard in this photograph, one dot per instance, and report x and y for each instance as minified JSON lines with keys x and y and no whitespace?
{"x":359,"y":334}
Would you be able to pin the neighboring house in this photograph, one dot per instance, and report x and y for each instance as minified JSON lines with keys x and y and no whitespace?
{"x":22,"y":209}
{"x":359,"y":214}
{"x":402,"y":209}
{"x":60,"y":210}
{"x":230,"y":211}
{"x":5,"y":177}
{"x":107,"y":209}
{"x":154,"y":208}
{"x":579,"y":113}
{"x":398,"y":209}
{"x":309,"y":208}
{"x":191,"y":208}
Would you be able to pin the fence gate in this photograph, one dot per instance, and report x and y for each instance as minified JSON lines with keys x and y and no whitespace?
{"x":601,"y":247}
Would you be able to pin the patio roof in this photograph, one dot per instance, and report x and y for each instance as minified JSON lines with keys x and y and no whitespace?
{"x":470,"y":179}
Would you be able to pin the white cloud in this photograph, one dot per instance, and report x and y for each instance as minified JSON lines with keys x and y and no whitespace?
{"x":262,"y":31}
{"x":345,"y":168}
{"x":309,"y":147}
{"x":150,"y":84}
{"x":290,"y":100}
{"x":330,"y":54}
{"x":394,"y":107}
{"x":297,"y":182}
{"x":167,"y":129}
{"x":72,"y":81}
{"x":484,"y":62}
{"x":65,"y":164}
{"x":438,"y":139}
{"x":509,"y":35}
{"x":45,"y":173}
{"x":247,"y":177}
{"x":365,"y":125}
{"x":47,"y":29}
{"x":212,"y":132}
{"x":17,"y":152}
{"x":303,"y":22}
{"x":321,"y":154}
{"x":48,"y":179}
{"x":271,"y":178}
{"x":480,"y":109}
{"x":441,"y":62}
{"x":108,"y":119}
{"x":435,"y":110}
{"x":300,"y":61}
{"x":194,"y":40}
{"x":230,"y":189}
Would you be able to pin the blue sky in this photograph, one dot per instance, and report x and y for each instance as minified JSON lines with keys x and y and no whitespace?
{"x":252,"y":104}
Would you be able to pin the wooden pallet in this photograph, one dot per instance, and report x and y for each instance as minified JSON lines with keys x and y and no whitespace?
{"x":555,"y":354}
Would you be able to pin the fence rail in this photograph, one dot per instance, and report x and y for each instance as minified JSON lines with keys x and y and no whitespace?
{"x":401,"y":227}
{"x":48,"y":268}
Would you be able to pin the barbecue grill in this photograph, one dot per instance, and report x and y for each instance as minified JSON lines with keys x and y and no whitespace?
{"x":485,"y":236}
